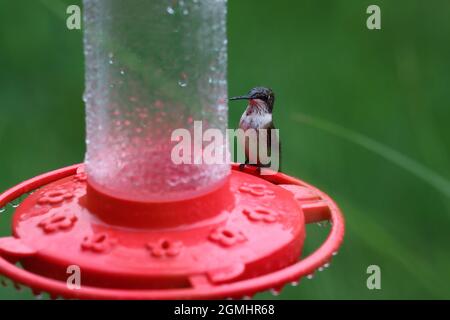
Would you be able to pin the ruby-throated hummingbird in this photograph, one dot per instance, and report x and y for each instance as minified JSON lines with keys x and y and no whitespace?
{"x":258,"y":115}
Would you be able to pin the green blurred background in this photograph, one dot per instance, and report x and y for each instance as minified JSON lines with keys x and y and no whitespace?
{"x":364,"y":115}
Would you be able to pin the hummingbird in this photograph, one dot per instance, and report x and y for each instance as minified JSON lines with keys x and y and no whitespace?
{"x":258,"y":115}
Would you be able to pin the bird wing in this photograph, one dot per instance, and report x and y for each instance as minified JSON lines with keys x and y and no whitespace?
{"x":271,"y":136}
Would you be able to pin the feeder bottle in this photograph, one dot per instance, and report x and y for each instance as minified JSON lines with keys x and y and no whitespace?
{"x":153,"y":67}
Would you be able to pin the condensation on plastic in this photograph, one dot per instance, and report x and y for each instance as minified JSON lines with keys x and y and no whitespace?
{"x":152,"y":67}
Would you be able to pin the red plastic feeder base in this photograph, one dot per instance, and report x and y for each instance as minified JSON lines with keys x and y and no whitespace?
{"x":241,"y":238}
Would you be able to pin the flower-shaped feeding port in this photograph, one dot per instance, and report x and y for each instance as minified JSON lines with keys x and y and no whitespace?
{"x":53,"y":197}
{"x":58,"y":221}
{"x":227,"y":236}
{"x":257,"y":190}
{"x":98,"y":243}
{"x":165,"y":248}
{"x":35,"y":211}
{"x":261,"y":214}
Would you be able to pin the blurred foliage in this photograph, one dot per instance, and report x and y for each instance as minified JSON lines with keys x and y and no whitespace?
{"x":363,"y":115}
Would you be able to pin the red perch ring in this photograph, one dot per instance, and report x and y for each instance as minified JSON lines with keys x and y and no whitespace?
{"x":240,"y":239}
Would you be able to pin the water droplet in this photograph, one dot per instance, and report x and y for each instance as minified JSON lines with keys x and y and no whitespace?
{"x":3,"y":282}
{"x":185,"y":12}
{"x":170,"y":10}
{"x":111,"y":61}
{"x":183,"y":82}
{"x":173,"y":182}
{"x":326,"y":265}
{"x":310,"y":276}
{"x":335,"y":253}
{"x":122,"y":72}
{"x":294,"y":283}
{"x":275,"y":292}
{"x":2,"y":210}
{"x":323,"y":224}
{"x":320,"y":269}
{"x":15,"y":203}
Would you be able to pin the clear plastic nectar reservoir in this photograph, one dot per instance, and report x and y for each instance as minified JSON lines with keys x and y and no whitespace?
{"x":153,"y":67}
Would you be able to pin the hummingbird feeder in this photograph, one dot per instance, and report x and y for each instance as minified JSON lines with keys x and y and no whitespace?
{"x":137,"y":225}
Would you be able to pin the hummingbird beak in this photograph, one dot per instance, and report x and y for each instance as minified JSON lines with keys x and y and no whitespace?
{"x":246,"y":97}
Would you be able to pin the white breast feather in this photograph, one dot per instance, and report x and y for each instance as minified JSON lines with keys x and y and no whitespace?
{"x":255,"y":121}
